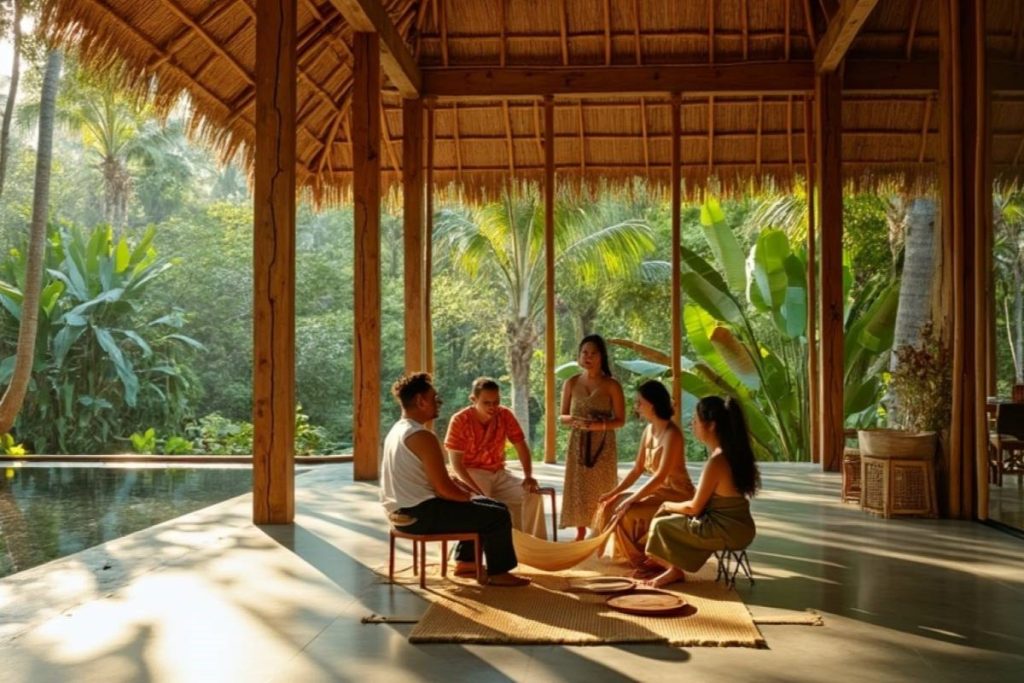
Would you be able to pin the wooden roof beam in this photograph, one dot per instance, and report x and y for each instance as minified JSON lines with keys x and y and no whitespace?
{"x":860,"y":76}
{"x":842,"y":29}
{"x":369,"y":16}
{"x":469,"y":82}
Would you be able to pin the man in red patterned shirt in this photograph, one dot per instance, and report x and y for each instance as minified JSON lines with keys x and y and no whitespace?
{"x":476,"y":449}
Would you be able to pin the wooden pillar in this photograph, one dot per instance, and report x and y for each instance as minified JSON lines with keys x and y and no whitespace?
{"x":676,"y":262}
{"x":428,"y":257}
{"x":966,"y":215}
{"x":412,"y":223}
{"x":551,"y":406}
{"x":366,"y":194}
{"x":828,"y":137}
{"x":813,"y":388}
{"x":273,"y":462}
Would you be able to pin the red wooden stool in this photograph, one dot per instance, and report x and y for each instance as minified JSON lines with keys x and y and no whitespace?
{"x":419,"y":552}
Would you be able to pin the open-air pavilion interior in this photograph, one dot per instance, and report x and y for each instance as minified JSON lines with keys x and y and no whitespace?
{"x":344,"y":100}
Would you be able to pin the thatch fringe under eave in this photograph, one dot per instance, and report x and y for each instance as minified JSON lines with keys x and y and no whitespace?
{"x":742,"y":141}
{"x":124,"y":57}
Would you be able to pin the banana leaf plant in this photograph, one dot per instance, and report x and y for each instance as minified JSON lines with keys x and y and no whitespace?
{"x":745,"y":322}
{"x":103,"y":358}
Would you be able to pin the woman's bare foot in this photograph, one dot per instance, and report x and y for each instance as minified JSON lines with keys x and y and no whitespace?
{"x":581,"y":533}
{"x":465,"y":569}
{"x":646,"y":571}
{"x":507,"y":580}
{"x":668,"y":576}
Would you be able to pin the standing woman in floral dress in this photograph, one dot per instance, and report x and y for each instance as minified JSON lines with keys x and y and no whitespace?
{"x":593,"y":406}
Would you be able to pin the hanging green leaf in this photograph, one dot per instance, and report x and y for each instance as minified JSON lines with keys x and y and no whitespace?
{"x":768,"y":264}
{"x":724,"y":245}
{"x":721,"y":306}
{"x":736,"y":356}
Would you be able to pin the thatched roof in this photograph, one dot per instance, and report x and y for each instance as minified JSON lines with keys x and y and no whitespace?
{"x":206,"y":49}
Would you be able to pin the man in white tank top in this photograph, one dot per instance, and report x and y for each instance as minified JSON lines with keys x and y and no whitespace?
{"x":417,"y":492}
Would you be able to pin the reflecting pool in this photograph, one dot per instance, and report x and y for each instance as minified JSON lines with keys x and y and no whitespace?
{"x":50,"y":512}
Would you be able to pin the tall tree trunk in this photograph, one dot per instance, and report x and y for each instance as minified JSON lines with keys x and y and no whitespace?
{"x":521,"y":339}
{"x":914,"y":308}
{"x":12,"y":94}
{"x":14,"y":397}
{"x":918,"y":269}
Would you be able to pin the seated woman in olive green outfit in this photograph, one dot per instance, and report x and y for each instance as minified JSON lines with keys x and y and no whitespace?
{"x":684,"y":535}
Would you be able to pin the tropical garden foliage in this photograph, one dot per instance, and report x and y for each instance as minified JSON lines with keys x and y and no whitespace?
{"x":746,"y":326}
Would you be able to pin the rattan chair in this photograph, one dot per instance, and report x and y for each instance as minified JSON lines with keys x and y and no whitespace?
{"x":1006,"y":445}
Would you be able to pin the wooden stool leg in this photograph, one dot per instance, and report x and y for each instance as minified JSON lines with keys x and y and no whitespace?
{"x":391,"y":560}
{"x":423,"y":563}
{"x":554,"y":517}
{"x":479,"y":557}
{"x":415,"y":558}
{"x":444,"y":558}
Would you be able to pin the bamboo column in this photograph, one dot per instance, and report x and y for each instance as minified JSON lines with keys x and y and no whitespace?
{"x":829,"y":167}
{"x":366,"y":195}
{"x":676,"y":294}
{"x":964,"y":287}
{"x":428,"y":255}
{"x":273,"y":463}
{"x":813,"y":390}
{"x":412,"y":223}
{"x":550,"y":397}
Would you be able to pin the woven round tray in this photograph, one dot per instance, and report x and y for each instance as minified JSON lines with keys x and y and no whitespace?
{"x":648,"y":602}
{"x":603,"y":584}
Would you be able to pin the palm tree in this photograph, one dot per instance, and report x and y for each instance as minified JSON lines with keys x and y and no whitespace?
{"x":500,"y":246}
{"x":918,"y":241}
{"x":110,"y":124}
{"x":14,"y":397}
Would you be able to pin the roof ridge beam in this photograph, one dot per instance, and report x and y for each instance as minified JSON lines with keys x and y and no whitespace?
{"x":369,"y":16}
{"x":861,"y":76}
{"x":842,"y":30}
{"x":764,"y":77}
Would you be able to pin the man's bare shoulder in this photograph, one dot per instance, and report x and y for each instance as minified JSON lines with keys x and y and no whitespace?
{"x":419,"y":442}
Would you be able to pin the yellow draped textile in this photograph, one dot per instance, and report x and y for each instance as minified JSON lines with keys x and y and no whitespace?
{"x":553,"y":557}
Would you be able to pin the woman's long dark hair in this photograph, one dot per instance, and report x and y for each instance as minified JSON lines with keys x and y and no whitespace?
{"x":598,"y":341}
{"x":731,"y":429}
{"x":655,"y":393}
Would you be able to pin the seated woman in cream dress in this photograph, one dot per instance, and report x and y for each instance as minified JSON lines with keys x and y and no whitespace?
{"x":718,"y":516}
{"x":661,"y":456}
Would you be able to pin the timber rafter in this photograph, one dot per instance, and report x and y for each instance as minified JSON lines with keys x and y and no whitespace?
{"x":369,"y":16}
{"x":842,"y":30}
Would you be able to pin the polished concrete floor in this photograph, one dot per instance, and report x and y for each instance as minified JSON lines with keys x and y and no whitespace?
{"x":1006,"y":502}
{"x":210,"y":597}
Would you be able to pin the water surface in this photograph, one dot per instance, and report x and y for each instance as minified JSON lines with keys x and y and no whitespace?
{"x":50,"y":512}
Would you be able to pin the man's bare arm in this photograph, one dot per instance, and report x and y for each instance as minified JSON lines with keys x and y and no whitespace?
{"x":462,"y":472}
{"x":427,"y":448}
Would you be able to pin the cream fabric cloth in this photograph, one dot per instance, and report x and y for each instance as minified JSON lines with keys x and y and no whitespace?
{"x":526,"y":508}
{"x":553,"y":557}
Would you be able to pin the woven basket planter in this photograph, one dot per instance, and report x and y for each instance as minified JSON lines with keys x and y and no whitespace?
{"x":893,"y":443}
